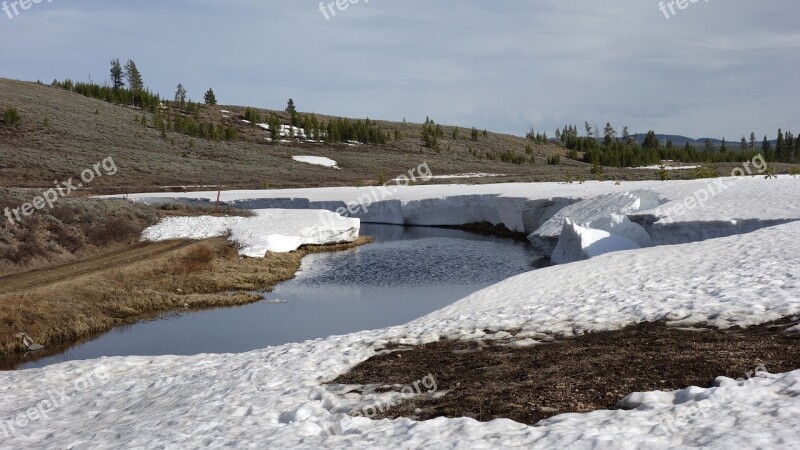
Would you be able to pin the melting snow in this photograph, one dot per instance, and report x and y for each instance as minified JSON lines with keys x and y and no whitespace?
{"x":317,"y":161}
{"x":271,"y":230}
{"x":276,"y":398}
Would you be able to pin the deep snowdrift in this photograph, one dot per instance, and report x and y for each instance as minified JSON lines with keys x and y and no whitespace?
{"x":646,"y":212}
{"x":274,"y":230}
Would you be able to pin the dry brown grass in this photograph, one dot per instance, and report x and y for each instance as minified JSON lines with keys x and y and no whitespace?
{"x":34,"y":154}
{"x":193,"y":276}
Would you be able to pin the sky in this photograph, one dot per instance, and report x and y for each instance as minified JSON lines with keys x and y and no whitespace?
{"x":714,"y":69}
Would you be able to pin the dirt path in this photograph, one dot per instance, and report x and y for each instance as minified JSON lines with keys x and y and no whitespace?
{"x":65,"y":272}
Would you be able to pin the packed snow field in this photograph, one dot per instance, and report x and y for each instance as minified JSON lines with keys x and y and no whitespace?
{"x":276,"y":397}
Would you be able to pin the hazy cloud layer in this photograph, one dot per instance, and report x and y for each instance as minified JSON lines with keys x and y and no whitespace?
{"x":716,"y":68}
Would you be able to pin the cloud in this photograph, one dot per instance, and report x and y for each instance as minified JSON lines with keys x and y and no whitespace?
{"x":720,"y":69}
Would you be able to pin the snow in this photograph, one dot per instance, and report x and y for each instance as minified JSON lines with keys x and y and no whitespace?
{"x":466,"y":175}
{"x":291,"y":131}
{"x":646,"y":212}
{"x":657,"y":167}
{"x":274,"y":230}
{"x":733,"y":263}
{"x":577,"y":243}
{"x":317,"y":161}
{"x":275,"y":397}
{"x":607,"y":213}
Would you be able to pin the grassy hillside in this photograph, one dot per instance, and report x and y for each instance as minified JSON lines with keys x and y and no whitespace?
{"x":63,"y":133}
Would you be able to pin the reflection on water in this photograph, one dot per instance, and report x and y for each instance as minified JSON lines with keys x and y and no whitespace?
{"x":405,"y":274}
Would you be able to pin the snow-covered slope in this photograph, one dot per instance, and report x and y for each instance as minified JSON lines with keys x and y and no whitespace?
{"x":273,"y":230}
{"x":274,"y":398}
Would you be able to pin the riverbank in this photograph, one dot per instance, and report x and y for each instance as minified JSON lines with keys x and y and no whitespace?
{"x":68,"y":303}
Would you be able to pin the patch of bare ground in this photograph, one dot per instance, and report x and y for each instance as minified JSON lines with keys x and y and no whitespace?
{"x":486,"y":380}
{"x":82,"y":299}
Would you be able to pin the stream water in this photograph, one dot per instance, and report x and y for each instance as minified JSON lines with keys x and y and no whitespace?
{"x":406,"y":273}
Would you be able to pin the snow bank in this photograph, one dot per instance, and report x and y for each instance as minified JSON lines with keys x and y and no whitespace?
{"x":671,"y":212}
{"x":276,"y":398}
{"x":272,"y":230}
{"x":577,"y":243}
{"x":607,"y":213}
{"x":317,"y":161}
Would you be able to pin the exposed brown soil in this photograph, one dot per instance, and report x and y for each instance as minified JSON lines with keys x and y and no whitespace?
{"x":67,"y":303}
{"x":486,"y":380}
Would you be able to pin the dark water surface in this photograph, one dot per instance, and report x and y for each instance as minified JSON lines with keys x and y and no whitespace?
{"x":407,"y":273}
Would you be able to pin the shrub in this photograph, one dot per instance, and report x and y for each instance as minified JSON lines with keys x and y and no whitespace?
{"x":195,"y":260}
{"x":11,"y":117}
{"x":598,"y":172}
{"x":113,"y":230}
{"x":663,"y":173}
{"x":794,"y":171}
{"x":705,"y":171}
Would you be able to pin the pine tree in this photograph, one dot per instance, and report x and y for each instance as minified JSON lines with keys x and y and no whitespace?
{"x":651,"y":141}
{"x":290,"y":108}
{"x":180,"y":96}
{"x":723,"y":147}
{"x":743,"y":144}
{"x":753,"y":141}
{"x":134,"y":78}
{"x":210,"y":98}
{"x":116,"y":75}
{"x":588,"y":129}
{"x":780,"y":147}
{"x":766,"y":146}
{"x":626,"y":136}
{"x":609,"y":134}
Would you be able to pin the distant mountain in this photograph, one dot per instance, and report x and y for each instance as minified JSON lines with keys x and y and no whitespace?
{"x":680,"y":141}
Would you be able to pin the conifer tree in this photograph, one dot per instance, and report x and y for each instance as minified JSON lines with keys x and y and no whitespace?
{"x":766,"y":146}
{"x":116,"y":75}
{"x":134,"y":78}
{"x":609,"y":134}
{"x":210,"y":98}
{"x":780,"y":147}
{"x":180,"y":96}
{"x":626,"y":136}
